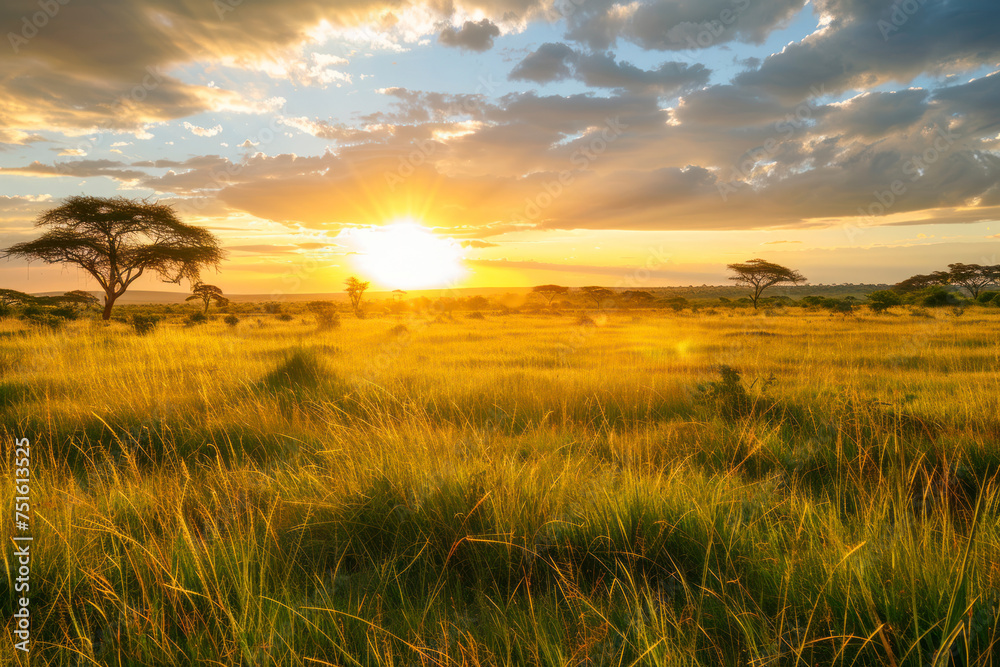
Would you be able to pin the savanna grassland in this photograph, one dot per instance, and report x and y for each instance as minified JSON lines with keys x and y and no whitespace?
{"x":728,"y":488}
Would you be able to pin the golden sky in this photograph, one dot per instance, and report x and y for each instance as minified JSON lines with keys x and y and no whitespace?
{"x":514,"y":142}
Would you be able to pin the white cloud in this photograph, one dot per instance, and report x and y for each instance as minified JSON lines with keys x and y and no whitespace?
{"x":202,"y":131}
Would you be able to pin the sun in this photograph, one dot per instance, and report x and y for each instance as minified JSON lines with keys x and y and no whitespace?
{"x":406,"y":255}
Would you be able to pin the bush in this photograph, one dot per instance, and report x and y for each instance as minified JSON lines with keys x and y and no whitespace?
{"x":882,"y":300}
{"x":729,"y":397}
{"x":326,"y":314}
{"x":231,"y":320}
{"x":285,"y":317}
{"x":935,"y":297}
{"x":196,"y":318}
{"x":144,"y":324}
{"x":65,"y":312}
{"x":989,"y":297}
{"x":476,"y":316}
{"x":272,"y":307}
{"x":675,"y":303}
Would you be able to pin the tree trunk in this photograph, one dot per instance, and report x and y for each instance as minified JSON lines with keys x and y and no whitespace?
{"x":109,"y":302}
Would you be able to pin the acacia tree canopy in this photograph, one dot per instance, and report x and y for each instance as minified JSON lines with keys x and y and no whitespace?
{"x":598,"y":294}
{"x":973,"y":277}
{"x":117,"y":240}
{"x":550,"y":291}
{"x":207,"y":294}
{"x":759,"y":274}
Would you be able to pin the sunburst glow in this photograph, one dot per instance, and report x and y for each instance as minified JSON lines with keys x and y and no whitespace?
{"x":407,"y":255}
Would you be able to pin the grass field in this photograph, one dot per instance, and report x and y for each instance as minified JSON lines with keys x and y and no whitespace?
{"x":514,"y":490}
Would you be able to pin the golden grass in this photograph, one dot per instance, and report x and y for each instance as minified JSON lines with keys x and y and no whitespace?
{"x":514,"y":490}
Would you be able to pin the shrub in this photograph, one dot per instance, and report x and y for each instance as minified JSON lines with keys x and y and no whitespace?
{"x":301,"y":368}
{"x":882,"y":300}
{"x":988,"y":297}
{"x":285,"y":317}
{"x":65,"y":312}
{"x":585,"y":321}
{"x":728,"y":396}
{"x":399,"y":330}
{"x":272,"y":307}
{"x":476,"y":316}
{"x":196,"y":318}
{"x":231,"y":320}
{"x":144,"y":324}
{"x":675,"y":303}
{"x":326,"y":314}
{"x":935,"y":297}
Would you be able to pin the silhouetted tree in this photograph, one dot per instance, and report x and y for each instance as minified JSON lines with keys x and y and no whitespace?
{"x":550,"y":292}
{"x":356,"y":289}
{"x":599,"y":295}
{"x":207,"y":294}
{"x":759,"y":274}
{"x":117,"y":240}
{"x":637,"y":297}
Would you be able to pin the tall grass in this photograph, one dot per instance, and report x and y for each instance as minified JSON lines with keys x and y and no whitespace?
{"x":508,"y":491}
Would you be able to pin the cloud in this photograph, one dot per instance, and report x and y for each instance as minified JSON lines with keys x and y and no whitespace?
{"x":554,"y":62}
{"x":472,"y":36}
{"x":76,"y":169}
{"x":676,"y":25}
{"x":202,"y":131}
{"x":867,"y":44}
{"x":550,"y":62}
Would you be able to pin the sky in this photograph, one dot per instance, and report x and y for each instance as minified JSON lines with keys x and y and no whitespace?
{"x":509,"y":143}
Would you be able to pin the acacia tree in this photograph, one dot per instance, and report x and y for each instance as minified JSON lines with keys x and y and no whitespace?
{"x":356,"y":289}
{"x":638,"y":297}
{"x":11,"y":297}
{"x":207,"y":294}
{"x":921,"y":281}
{"x":973,"y":277}
{"x":759,"y":274}
{"x":598,"y":294}
{"x":550,"y":292}
{"x":117,"y":240}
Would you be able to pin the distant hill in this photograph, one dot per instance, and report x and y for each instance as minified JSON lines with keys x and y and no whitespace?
{"x":689,"y":292}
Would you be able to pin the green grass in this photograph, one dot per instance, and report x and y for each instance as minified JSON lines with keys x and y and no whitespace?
{"x":517,"y":490}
